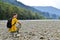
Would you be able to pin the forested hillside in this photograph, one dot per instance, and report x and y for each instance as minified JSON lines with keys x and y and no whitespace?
{"x":7,"y":9}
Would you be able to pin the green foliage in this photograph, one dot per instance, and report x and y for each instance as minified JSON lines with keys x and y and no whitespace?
{"x":7,"y":9}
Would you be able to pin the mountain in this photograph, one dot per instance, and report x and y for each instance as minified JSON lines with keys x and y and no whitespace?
{"x":20,"y":4}
{"x":33,"y":9}
{"x":7,"y":9}
{"x":53,"y":12}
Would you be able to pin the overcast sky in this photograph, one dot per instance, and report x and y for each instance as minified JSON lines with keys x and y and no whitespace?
{"x":54,"y":3}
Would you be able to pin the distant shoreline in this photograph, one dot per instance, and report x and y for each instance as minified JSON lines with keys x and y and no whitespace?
{"x":38,"y":20}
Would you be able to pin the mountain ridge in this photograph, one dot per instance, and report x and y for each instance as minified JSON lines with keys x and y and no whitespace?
{"x":48,"y":9}
{"x":33,"y":9}
{"x":7,"y":9}
{"x":20,"y":4}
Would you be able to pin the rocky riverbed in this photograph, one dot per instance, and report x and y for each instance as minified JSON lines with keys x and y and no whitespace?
{"x":33,"y":30}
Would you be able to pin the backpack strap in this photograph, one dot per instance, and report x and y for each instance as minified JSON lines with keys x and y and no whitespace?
{"x":14,"y":23}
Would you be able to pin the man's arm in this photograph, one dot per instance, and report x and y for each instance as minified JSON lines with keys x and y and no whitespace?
{"x":19,"y":23}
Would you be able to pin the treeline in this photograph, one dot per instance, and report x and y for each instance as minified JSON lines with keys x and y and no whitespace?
{"x":7,"y":9}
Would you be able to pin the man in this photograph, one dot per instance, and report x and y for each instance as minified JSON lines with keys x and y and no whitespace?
{"x":14,"y":29}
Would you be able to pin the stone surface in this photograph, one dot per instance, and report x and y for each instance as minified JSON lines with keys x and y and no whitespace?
{"x":33,"y":30}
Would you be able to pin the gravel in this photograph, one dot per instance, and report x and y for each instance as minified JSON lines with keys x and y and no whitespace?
{"x":33,"y":30}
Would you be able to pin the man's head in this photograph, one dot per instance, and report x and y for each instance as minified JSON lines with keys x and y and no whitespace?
{"x":14,"y":15}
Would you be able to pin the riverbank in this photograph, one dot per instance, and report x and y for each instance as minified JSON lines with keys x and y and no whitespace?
{"x":34,"y":30}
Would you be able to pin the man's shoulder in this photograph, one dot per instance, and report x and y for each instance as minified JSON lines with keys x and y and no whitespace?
{"x":15,"y":19}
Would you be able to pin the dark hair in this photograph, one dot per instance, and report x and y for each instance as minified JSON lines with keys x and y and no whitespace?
{"x":14,"y":14}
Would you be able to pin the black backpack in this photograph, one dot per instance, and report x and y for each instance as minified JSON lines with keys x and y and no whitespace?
{"x":9,"y":25}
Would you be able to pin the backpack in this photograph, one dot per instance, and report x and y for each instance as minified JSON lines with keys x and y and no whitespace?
{"x":9,"y":25}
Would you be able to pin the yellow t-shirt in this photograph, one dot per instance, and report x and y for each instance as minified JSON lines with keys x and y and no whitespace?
{"x":13,"y":28}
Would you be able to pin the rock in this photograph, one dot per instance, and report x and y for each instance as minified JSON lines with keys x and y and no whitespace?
{"x":42,"y":38}
{"x":33,"y":30}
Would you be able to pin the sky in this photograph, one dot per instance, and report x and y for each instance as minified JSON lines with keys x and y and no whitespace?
{"x":54,"y":3}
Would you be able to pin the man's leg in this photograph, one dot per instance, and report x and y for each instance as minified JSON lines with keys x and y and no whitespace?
{"x":17,"y":30}
{"x":18,"y":33}
{"x":12,"y":34}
